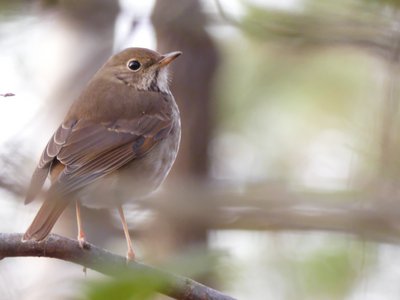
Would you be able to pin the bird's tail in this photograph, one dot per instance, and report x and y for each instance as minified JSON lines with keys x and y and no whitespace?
{"x":45,"y":219}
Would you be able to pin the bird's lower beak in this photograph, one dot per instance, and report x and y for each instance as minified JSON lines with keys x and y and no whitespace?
{"x":166,"y":59}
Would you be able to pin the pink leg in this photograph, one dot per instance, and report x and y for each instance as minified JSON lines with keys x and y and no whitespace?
{"x":130,"y":255}
{"x":81,"y":233}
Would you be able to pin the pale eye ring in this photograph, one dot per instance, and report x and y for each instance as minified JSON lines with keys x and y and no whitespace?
{"x":134,"y":65}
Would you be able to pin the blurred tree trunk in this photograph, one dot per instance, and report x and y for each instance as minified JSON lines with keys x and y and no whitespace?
{"x":180,"y":25}
{"x":388,"y":172}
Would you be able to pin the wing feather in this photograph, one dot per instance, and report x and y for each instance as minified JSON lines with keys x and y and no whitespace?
{"x":109,"y":146}
{"x":50,"y":152}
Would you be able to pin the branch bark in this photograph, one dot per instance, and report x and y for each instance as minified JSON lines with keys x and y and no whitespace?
{"x":100,"y":260}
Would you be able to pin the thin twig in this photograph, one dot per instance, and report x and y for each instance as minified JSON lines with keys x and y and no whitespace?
{"x":105,"y":262}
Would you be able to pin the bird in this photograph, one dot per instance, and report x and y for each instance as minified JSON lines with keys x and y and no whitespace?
{"x":116,"y":144}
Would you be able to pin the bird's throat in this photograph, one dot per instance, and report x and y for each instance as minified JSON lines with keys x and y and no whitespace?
{"x":159,"y":82}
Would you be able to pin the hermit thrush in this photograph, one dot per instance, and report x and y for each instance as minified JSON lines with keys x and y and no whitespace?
{"x":123,"y":130}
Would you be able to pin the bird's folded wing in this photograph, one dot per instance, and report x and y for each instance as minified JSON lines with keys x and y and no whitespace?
{"x":50,"y":152}
{"x":90,"y":150}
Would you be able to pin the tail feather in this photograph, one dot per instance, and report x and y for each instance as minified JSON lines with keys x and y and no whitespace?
{"x":45,"y":219}
{"x":37,"y":181}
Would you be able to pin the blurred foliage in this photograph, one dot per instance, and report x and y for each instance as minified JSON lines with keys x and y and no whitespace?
{"x":126,"y":286}
{"x":318,"y":23}
{"x":328,"y":272}
{"x":280,"y":97}
{"x":194,"y":263}
{"x":11,"y":9}
{"x":282,"y":92}
{"x":380,"y":3}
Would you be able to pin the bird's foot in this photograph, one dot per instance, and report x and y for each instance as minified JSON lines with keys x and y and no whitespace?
{"x":130,"y":256}
{"x":82,"y":241}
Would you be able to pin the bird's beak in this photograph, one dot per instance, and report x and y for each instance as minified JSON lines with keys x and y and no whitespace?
{"x":166,"y":59}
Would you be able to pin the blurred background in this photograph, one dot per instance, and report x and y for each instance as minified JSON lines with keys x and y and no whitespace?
{"x":287,"y":181}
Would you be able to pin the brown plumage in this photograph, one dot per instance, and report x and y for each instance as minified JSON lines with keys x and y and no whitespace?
{"x":123,"y":129}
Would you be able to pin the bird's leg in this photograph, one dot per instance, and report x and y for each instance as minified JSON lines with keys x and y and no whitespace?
{"x":130,"y":255}
{"x":81,"y":233}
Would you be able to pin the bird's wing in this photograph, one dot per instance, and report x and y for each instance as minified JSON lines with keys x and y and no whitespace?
{"x":46,"y":160}
{"x":90,"y":150}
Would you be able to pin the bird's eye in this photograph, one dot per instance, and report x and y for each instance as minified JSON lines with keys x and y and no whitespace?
{"x":134,"y":65}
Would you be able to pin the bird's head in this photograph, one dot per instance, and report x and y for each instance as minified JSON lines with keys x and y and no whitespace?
{"x":141,"y":68}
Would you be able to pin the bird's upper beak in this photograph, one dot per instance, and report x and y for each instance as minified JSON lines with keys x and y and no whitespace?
{"x":166,"y":59}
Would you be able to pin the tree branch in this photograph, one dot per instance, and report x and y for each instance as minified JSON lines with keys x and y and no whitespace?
{"x":7,"y":95}
{"x":368,"y":215}
{"x":98,"y":259}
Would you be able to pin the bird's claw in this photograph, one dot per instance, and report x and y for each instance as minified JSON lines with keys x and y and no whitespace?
{"x":130,"y":256}
{"x":82,"y":242}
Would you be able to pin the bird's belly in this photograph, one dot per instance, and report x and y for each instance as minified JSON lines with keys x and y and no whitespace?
{"x":136,"y":180}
